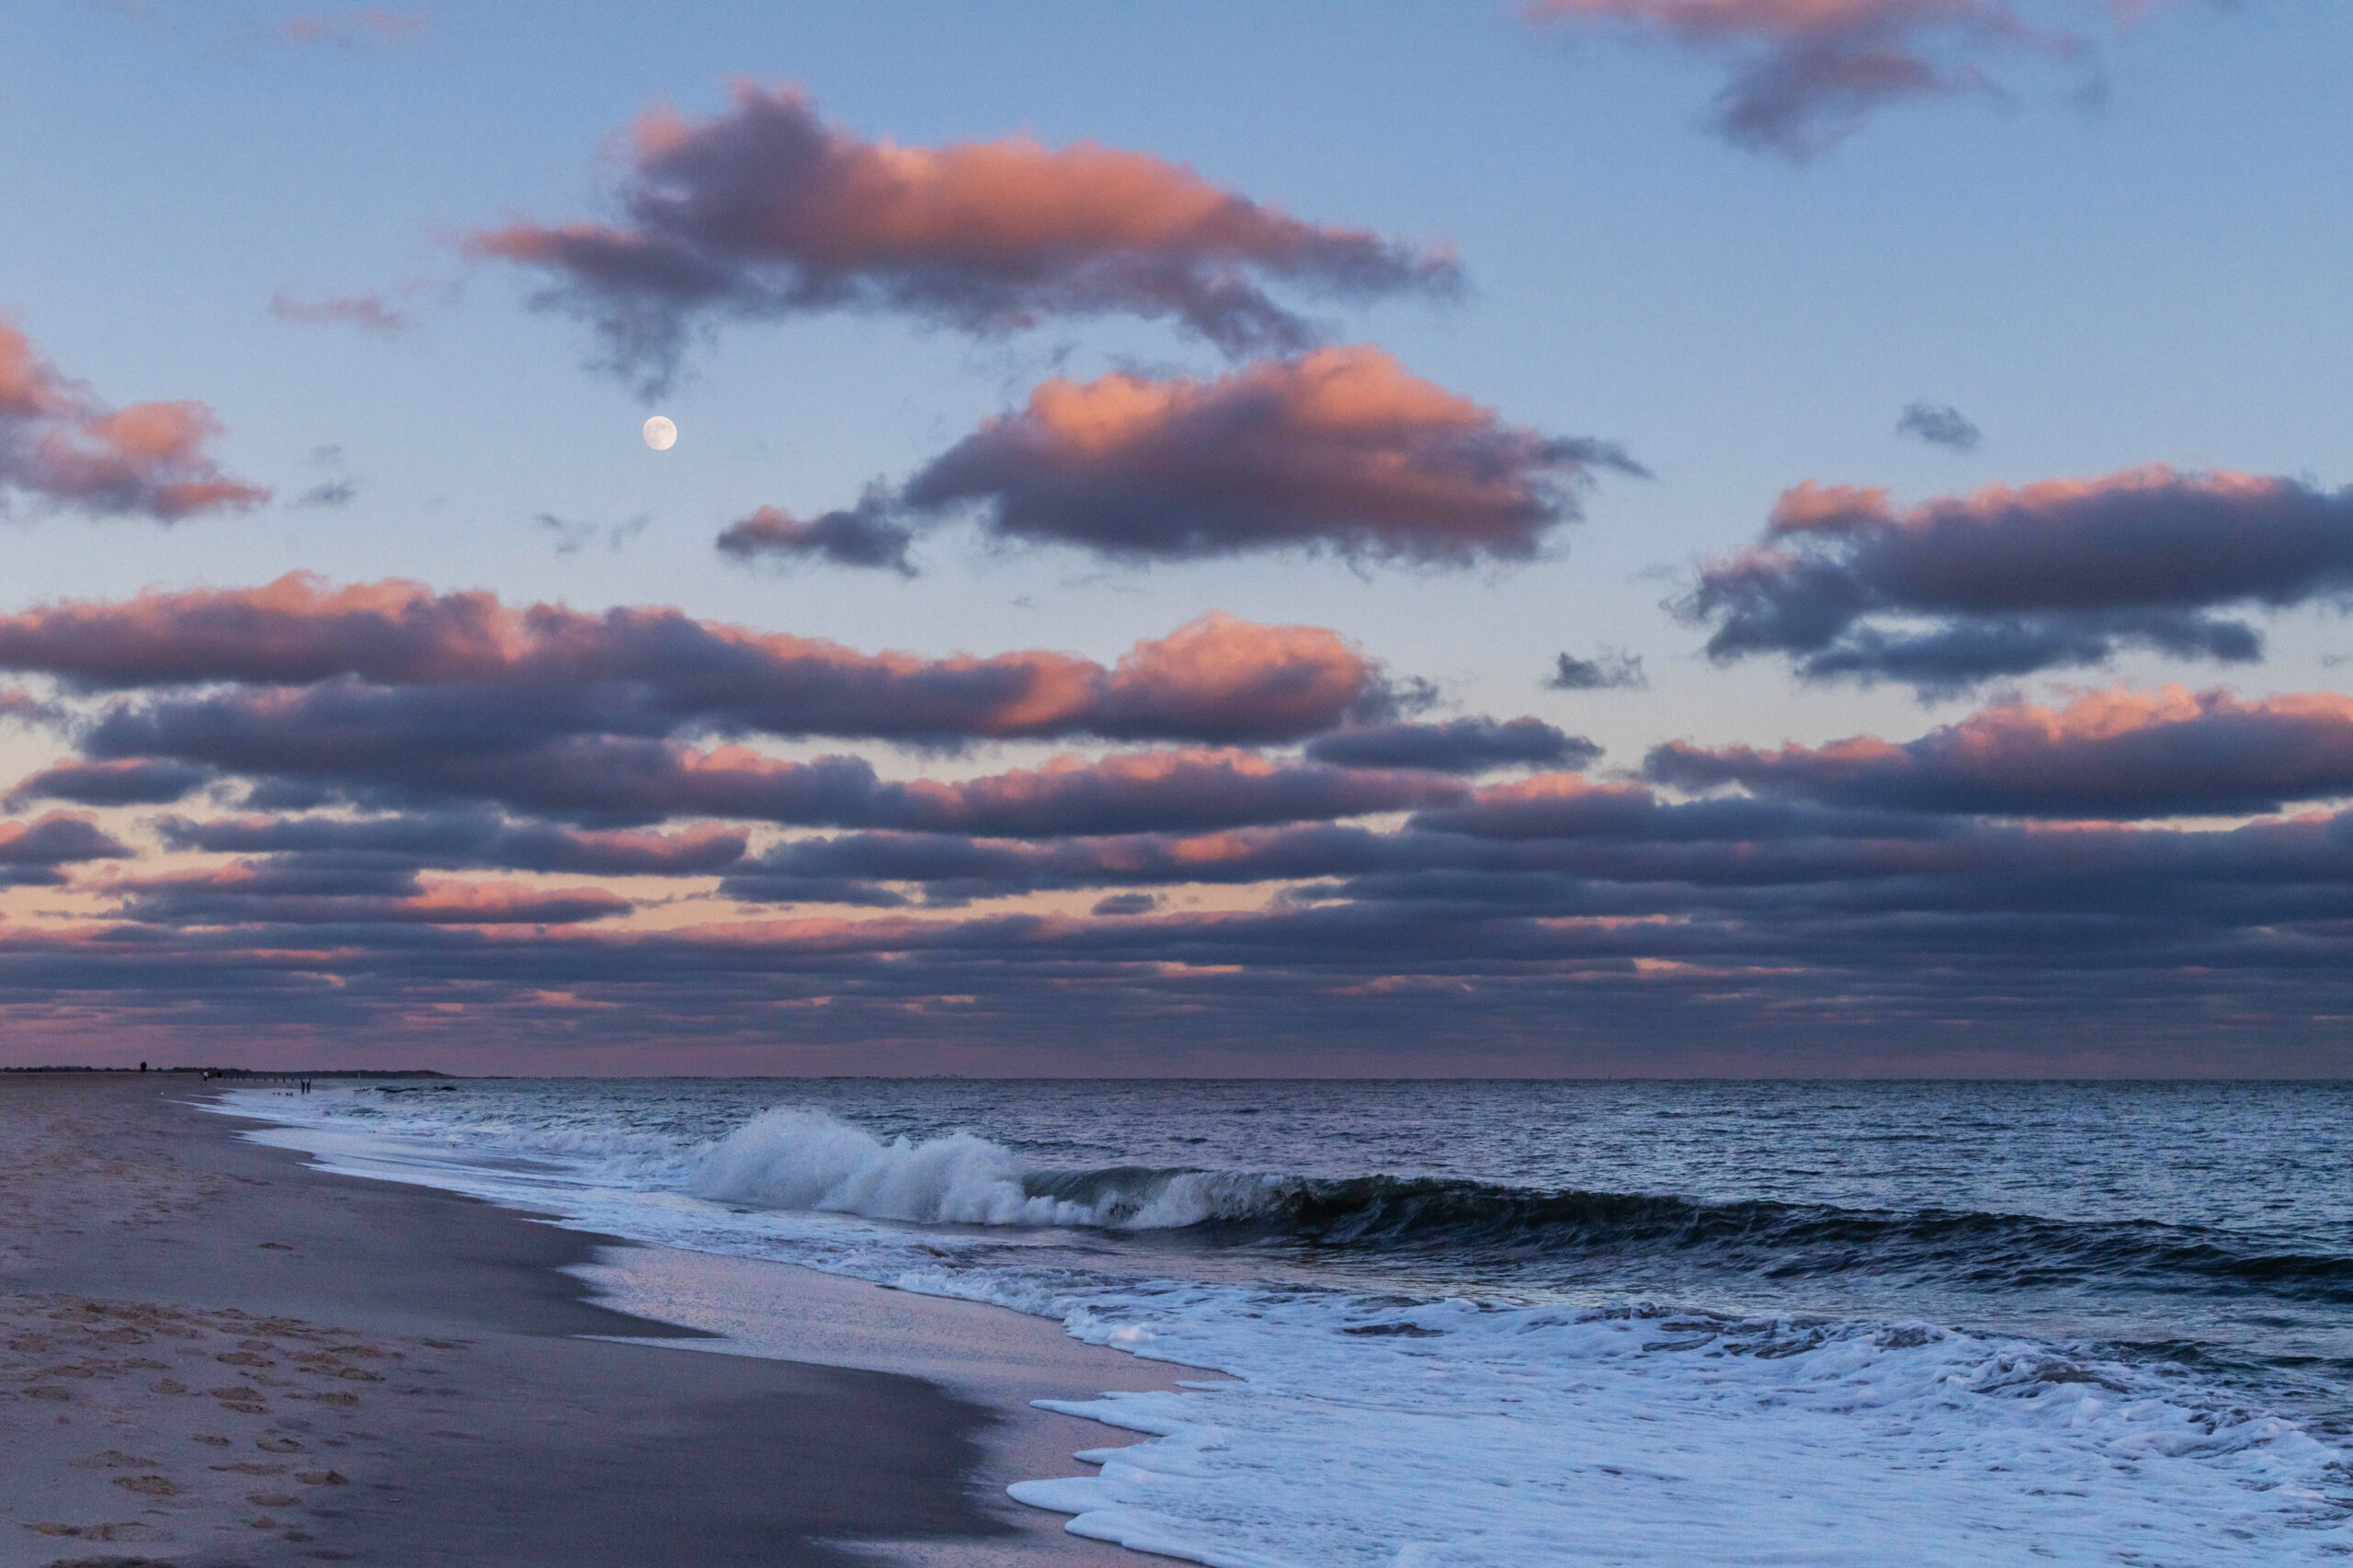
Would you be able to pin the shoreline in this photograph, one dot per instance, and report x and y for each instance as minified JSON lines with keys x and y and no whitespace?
{"x":448,"y":1364}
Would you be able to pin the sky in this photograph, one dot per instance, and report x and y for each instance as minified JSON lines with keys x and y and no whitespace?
{"x":1586,"y":538}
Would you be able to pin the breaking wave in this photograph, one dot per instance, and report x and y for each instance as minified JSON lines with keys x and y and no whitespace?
{"x":806,"y":1159}
{"x":1552,"y":1377}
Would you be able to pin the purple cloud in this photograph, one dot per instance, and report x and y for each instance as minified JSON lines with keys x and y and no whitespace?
{"x":2012,"y":581}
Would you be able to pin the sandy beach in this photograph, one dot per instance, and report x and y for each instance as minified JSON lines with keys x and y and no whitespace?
{"x":217,"y":1356}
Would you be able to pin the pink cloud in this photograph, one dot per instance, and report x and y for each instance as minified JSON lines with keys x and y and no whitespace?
{"x":63,"y":448}
{"x":766,"y":210}
{"x":367,"y":26}
{"x":1339,"y":448}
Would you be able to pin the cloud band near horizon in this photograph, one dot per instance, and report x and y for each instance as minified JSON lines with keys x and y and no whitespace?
{"x":403,"y":797}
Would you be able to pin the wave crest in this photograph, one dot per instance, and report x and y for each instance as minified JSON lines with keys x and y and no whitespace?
{"x":806,"y":1159}
{"x":796,"y":1158}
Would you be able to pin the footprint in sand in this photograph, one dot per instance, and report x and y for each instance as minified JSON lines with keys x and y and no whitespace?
{"x":115,"y":1458}
{"x":148,"y":1485}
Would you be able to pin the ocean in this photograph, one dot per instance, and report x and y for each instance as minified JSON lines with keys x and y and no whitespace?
{"x":1510,"y":1322}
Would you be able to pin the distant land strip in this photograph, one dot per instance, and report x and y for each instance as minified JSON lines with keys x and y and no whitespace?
{"x":249,"y":1072}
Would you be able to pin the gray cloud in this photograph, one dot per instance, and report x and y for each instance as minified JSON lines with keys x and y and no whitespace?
{"x":572,"y":537}
{"x":132,"y":782}
{"x":1805,"y":75}
{"x":1125,"y":904}
{"x":1614,"y":669}
{"x":1940,"y":424}
{"x":1457,"y":745}
{"x":864,"y":536}
{"x":328,"y":493}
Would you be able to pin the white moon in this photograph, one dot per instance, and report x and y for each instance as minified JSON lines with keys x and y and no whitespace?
{"x":660,"y":434}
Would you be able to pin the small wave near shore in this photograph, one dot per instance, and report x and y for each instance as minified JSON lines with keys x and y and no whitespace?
{"x":804,"y":1158}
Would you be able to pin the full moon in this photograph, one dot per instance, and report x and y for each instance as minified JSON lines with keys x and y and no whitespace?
{"x":660,"y":434}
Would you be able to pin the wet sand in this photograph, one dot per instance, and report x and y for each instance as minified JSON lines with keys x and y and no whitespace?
{"x":218,"y":1356}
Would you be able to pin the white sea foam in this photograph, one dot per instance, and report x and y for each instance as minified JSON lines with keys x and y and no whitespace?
{"x":1517,"y":1435}
{"x":806,"y":1159}
{"x":1368,"y":1432}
